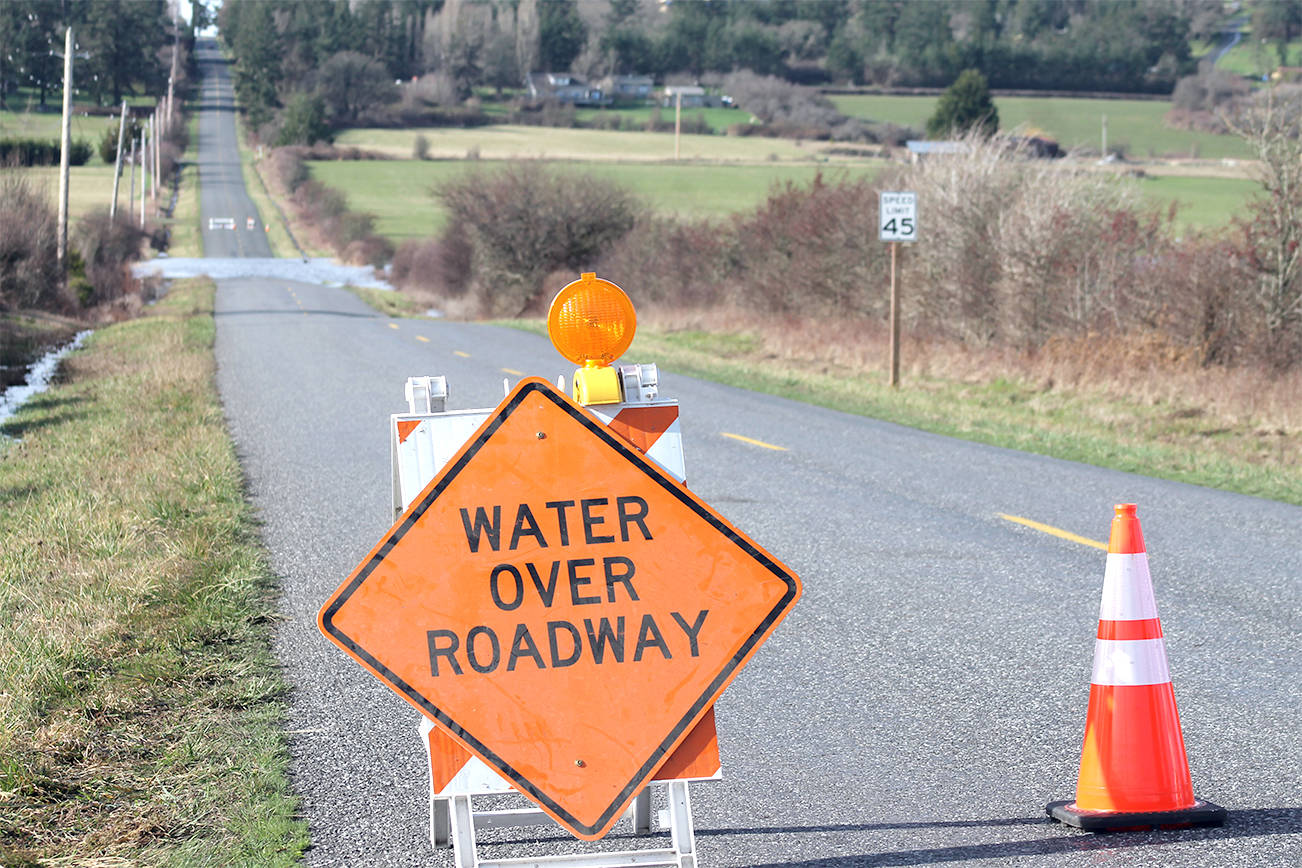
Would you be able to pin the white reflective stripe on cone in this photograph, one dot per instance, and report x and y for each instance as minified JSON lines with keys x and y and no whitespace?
{"x":1130,"y":661}
{"x":1127,"y":589}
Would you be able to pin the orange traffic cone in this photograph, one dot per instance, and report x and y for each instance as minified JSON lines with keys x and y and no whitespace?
{"x":1133,"y":768}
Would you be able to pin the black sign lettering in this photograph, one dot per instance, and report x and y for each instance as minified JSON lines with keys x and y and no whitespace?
{"x":473,"y":658}
{"x":437,"y":650}
{"x":591,"y":521}
{"x":480,"y":526}
{"x":517,"y":596}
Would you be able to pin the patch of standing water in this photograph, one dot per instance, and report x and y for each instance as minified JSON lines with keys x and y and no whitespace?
{"x":38,"y":379}
{"x":322,"y":271}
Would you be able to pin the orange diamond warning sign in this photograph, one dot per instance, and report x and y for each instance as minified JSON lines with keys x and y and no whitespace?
{"x":561,"y":606}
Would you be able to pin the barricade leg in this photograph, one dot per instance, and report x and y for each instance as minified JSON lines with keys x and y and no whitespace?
{"x":680,"y":824}
{"x":440,"y":822}
{"x":642,"y":812}
{"x":463,"y":832}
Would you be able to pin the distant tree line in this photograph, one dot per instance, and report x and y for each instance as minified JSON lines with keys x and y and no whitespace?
{"x":123,"y":47}
{"x":346,"y":55}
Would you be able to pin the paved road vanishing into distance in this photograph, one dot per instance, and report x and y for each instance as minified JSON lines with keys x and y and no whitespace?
{"x":922,"y":703}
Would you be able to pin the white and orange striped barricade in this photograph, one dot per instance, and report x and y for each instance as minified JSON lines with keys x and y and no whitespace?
{"x":422,"y":441}
{"x":1134,"y":773}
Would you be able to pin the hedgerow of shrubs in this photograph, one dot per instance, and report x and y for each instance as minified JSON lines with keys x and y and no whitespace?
{"x":39,"y":152}
{"x":1014,"y":252}
{"x":351,"y":235}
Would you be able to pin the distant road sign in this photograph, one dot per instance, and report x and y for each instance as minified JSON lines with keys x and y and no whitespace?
{"x":898,"y":217}
{"x":561,"y":606}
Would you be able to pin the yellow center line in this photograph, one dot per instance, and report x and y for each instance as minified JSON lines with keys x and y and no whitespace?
{"x":459,"y":353}
{"x":422,"y":339}
{"x":513,"y":372}
{"x":1055,"y":531}
{"x":393,"y":325}
{"x":752,"y":442}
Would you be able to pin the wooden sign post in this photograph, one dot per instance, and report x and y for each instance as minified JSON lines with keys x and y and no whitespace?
{"x":898,"y":221}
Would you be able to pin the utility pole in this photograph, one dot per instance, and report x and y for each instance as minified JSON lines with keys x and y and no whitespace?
{"x":117,"y":163}
{"x":131,"y":188}
{"x":1104,"y":154}
{"x":678,"y":121}
{"x":64,"y":152}
{"x":142,"y":179}
{"x":151,"y":149}
{"x":158,"y":162}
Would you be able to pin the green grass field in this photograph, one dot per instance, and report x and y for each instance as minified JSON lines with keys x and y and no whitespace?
{"x":1075,"y":123}
{"x":89,"y":187}
{"x":1253,"y":59}
{"x":1201,"y":203}
{"x":46,"y":125}
{"x":508,"y":142}
{"x":398,"y":191}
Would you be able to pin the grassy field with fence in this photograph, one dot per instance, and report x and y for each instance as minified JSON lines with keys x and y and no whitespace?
{"x":508,"y":142}
{"x":1136,"y":125}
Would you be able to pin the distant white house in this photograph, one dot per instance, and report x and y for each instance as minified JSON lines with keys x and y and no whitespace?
{"x":563,"y":88}
{"x":692,"y":95}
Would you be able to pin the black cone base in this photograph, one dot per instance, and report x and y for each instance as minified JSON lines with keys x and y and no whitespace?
{"x":1201,"y":814}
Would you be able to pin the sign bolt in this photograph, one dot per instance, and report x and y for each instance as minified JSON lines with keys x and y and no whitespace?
{"x":580,"y":763}
{"x":542,"y":435}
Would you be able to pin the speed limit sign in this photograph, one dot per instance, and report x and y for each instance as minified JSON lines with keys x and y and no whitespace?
{"x":898,"y":220}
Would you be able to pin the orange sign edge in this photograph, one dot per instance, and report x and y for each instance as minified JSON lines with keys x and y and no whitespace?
{"x":700,"y":707}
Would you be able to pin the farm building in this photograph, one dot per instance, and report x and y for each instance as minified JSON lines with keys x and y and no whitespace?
{"x":563,"y":88}
{"x":628,"y":87}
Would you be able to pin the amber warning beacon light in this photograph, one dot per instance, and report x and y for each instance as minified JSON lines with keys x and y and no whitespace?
{"x":591,"y":322}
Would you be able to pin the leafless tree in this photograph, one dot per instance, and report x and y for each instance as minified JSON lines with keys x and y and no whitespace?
{"x":1272,"y":231}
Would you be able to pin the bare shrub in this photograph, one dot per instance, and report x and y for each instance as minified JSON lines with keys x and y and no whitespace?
{"x":368,"y":250}
{"x":675,"y":264}
{"x":420,"y":147}
{"x":29,"y":267}
{"x":1201,"y":102}
{"x":782,"y":105}
{"x":107,"y":248}
{"x":288,"y":169}
{"x":526,"y":220}
{"x":1017,"y":250}
{"x":441,"y":266}
{"x":807,"y":250}
{"x":1271,"y":235}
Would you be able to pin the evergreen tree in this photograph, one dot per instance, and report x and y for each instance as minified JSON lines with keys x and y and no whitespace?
{"x":964,"y":105}
{"x":561,"y":34}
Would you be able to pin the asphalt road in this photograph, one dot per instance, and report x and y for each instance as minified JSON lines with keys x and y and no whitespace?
{"x":925,"y":699}
{"x":223,"y":200}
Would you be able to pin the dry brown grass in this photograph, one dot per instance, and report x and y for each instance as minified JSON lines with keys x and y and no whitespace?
{"x":1139,"y":385}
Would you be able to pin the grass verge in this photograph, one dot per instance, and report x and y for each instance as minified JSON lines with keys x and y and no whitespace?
{"x":282,"y":246}
{"x":1153,"y":436}
{"x":388,"y":302}
{"x":186,"y":238}
{"x":141,"y":705}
